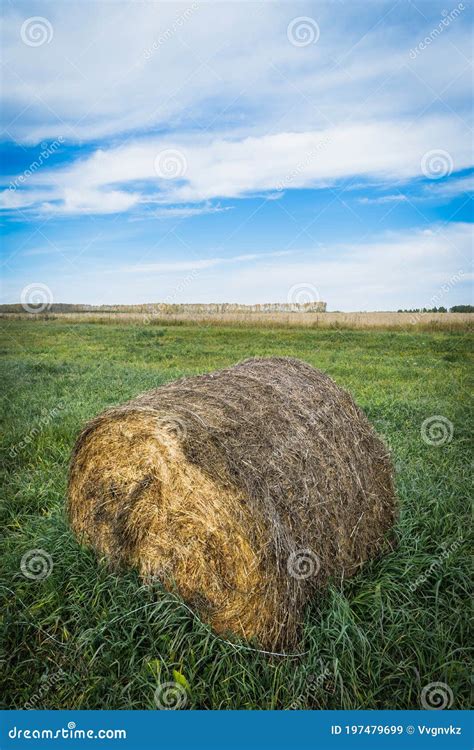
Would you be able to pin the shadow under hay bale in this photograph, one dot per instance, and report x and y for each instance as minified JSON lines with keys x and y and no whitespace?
{"x":244,"y":490}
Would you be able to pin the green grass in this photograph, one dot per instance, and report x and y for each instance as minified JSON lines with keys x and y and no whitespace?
{"x":85,"y":637}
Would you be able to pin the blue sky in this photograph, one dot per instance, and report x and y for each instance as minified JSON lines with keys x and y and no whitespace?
{"x":210,"y":152}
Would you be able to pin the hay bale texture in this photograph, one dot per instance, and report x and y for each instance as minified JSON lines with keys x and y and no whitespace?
{"x":243,"y":490}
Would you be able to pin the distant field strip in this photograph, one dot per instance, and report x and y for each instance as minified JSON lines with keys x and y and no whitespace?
{"x":383,"y":320}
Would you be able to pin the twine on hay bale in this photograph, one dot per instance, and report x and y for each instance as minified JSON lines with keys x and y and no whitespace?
{"x":244,"y":490}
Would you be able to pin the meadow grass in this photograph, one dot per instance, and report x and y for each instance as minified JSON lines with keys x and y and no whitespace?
{"x":89,"y":637}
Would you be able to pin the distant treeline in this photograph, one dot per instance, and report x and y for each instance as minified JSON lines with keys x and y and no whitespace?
{"x":456,"y":308}
{"x":170,"y":309}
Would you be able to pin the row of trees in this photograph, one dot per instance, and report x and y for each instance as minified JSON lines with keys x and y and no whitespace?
{"x":171,"y":308}
{"x":456,"y":308}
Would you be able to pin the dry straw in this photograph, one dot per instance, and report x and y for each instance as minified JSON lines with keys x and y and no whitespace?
{"x":244,"y":490}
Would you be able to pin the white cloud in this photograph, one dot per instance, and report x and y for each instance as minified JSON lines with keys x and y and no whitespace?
{"x":86,"y":201}
{"x":198,"y":263}
{"x":180,"y":212}
{"x":138,"y":66}
{"x":453,"y":187}
{"x":224,"y":168}
{"x":384,"y":199}
{"x":21,"y":198}
{"x":249,"y":111}
{"x":446,"y":189}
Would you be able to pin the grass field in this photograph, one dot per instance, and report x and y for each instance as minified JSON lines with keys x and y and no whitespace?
{"x":84,"y":637}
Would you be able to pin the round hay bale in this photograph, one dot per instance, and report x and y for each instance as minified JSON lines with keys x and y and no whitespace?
{"x":244,"y":490}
